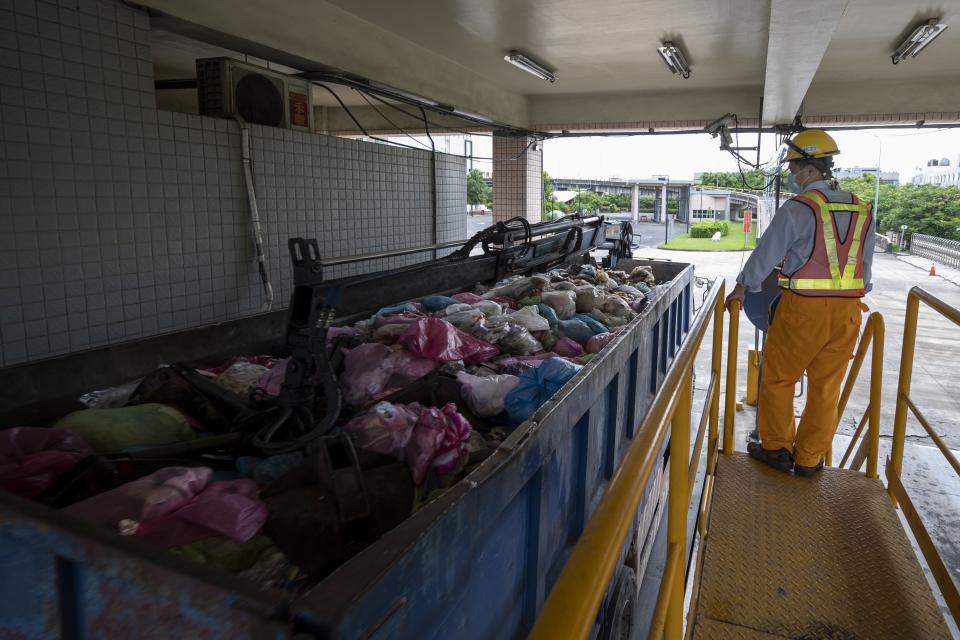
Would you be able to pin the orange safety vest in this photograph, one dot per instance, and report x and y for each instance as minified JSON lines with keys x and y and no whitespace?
{"x":835,"y":267}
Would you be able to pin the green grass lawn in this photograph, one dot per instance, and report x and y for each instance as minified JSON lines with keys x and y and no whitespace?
{"x":734,"y":241}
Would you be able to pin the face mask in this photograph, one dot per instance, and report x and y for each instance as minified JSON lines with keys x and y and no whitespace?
{"x":792,"y":184}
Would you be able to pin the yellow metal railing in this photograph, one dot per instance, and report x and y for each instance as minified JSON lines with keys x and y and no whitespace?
{"x":873,"y":335}
{"x":572,"y":606}
{"x":948,"y":588}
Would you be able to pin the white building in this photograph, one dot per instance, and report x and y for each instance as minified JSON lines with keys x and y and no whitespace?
{"x":944,"y":172}
{"x":886,"y":177}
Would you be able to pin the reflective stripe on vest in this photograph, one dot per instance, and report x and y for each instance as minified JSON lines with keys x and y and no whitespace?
{"x":840,"y":280}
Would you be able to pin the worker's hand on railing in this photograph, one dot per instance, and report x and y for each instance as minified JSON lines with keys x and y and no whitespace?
{"x":739,"y":293}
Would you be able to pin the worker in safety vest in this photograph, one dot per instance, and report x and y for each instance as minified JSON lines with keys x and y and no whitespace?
{"x":823,"y":241}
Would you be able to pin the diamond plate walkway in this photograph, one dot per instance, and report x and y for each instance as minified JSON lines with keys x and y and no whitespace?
{"x":827,"y":557}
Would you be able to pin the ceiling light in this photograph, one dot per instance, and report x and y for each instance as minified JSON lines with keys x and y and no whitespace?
{"x":521,"y":61}
{"x":674,"y":58}
{"x":918,"y":40}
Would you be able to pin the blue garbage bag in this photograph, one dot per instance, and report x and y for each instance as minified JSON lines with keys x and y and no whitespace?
{"x":436,"y":303}
{"x":396,"y":308}
{"x":595,"y":325}
{"x":576,"y":329}
{"x":536,"y":386}
{"x":547,"y":312}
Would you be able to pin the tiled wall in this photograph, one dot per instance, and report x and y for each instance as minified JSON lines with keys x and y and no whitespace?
{"x":118,"y":221}
{"x":517,"y":178}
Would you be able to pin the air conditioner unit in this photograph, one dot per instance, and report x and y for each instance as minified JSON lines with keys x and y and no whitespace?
{"x":227,"y":87}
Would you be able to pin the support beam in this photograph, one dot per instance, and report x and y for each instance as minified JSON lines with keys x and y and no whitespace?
{"x":800,"y":33}
{"x":517,"y":178}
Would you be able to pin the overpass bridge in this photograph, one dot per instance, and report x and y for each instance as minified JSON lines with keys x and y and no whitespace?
{"x":694,"y":201}
{"x":677,"y":190}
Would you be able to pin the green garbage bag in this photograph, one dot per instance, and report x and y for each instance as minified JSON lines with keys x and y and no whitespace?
{"x":114,"y":430}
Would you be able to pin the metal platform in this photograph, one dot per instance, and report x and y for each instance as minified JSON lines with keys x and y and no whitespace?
{"x":790,"y":557}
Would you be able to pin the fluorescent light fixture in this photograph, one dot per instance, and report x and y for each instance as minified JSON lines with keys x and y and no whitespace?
{"x":521,"y":61}
{"x":918,"y":40}
{"x":674,"y":59}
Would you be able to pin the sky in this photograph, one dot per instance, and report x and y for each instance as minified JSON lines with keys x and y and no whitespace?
{"x":680,"y":156}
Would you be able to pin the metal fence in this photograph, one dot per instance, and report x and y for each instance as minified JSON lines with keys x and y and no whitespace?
{"x":939,"y":250}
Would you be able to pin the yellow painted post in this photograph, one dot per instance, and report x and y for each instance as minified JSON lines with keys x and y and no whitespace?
{"x":753,"y":377}
{"x":854,"y":372}
{"x":876,"y":391}
{"x":679,"y":502}
{"x":714,"y":429}
{"x":731,"y":399}
{"x":852,"y":375}
{"x":903,"y":386}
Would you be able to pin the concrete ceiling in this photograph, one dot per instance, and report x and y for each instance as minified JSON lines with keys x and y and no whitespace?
{"x":830,"y":58}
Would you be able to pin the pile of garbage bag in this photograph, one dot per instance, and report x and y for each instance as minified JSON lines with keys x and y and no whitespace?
{"x":428,"y":390}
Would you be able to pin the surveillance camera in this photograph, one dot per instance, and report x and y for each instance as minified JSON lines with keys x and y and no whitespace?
{"x":720,"y":123}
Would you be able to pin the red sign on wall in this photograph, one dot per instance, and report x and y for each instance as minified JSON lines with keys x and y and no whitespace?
{"x":747,"y":220}
{"x":299,"y":109}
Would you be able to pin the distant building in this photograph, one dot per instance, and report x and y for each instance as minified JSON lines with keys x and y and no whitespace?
{"x":886,"y":177}
{"x":942,"y":171}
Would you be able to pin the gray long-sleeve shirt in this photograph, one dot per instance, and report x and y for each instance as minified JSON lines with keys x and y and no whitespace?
{"x":790,"y":238}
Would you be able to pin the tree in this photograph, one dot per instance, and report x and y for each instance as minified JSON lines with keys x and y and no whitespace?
{"x":549,"y":202}
{"x":478,"y":191}
{"x":615,"y":202}
{"x":752,"y":179}
{"x":646,"y":203}
{"x":547,"y":186}
{"x":929,"y":209}
{"x":585,"y":201}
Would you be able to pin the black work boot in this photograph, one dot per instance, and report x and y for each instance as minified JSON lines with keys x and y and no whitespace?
{"x":806,"y":472}
{"x":781,"y":460}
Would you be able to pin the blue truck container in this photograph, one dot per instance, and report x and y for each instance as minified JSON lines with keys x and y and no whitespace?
{"x":477,"y":562}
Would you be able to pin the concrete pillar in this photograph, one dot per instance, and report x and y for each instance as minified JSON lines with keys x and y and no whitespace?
{"x":635,"y":202}
{"x":727,"y":213}
{"x":517,"y":178}
{"x":683,"y":204}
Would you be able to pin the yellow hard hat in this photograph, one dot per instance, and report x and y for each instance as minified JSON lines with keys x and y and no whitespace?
{"x":811,"y":143}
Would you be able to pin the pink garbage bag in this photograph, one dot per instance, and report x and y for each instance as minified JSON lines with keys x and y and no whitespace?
{"x":228,"y":508}
{"x":31,"y":458}
{"x":438,"y":440}
{"x":439,"y":340}
{"x":423,"y":437}
{"x":568,"y":348}
{"x":366,"y":372}
{"x":405,"y":367}
{"x":467,"y":297}
{"x":271,"y":382}
{"x":151,"y":496}
{"x":371,"y":370}
{"x":599,"y":341}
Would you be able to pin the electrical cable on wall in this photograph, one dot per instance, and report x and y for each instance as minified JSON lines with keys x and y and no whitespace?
{"x":433,"y":182}
{"x":254,"y":214}
{"x":391,"y":122}
{"x":363,"y":129}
